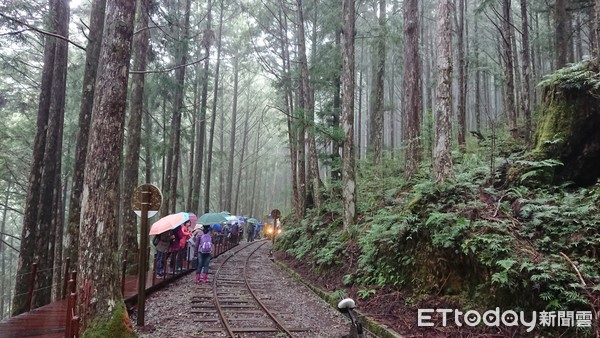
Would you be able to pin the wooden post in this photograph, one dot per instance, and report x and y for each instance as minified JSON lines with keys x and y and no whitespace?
{"x":67,"y":266}
{"x":69,"y":289}
{"x":142,"y":274}
{"x":74,"y":322}
{"x":31,"y":285}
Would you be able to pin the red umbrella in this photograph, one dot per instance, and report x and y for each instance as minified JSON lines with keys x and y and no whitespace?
{"x":168,"y":223}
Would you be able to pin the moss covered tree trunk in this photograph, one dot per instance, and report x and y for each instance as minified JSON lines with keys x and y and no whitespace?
{"x":100,"y":303}
{"x":569,"y":123}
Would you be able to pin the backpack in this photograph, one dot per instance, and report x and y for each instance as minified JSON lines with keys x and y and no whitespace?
{"x":205,"y":243}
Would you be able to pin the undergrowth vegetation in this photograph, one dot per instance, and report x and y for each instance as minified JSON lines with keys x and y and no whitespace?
{"x":477,"y":239}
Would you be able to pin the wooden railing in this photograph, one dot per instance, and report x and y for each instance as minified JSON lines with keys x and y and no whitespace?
{"x":72,"y":320}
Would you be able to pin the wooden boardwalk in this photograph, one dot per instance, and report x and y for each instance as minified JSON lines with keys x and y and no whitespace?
{"x":49,"y":320}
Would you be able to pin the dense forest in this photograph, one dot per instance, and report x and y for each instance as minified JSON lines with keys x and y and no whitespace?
{"x":443,"y":149}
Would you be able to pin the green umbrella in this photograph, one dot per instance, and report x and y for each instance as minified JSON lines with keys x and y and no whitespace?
{"x":225,"y":213}
{"x":211,"y":218}
{"x":252,"y":220}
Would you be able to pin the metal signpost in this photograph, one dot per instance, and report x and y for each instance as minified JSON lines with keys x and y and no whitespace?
{"x":145,"y":202}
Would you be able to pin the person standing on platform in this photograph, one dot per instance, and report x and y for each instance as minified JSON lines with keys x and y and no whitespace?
{"x":235,"y":230}
{"x":250,"y":232}
{"x":204,"y":250}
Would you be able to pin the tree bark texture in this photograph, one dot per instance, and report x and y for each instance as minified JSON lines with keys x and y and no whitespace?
{"x":510,"y":109}
{"x":314,"y":180}
{"x":30,"y":229}
{"x":92,"y":56}
{"x":236,"y":206}
{"x":134,"y":136}
{"x":213,"y":120}
{"x":561,"y":42}
{"x":348,"y":154}
{"x":201,"y":127}
{"x":179,"y":95}
{"x":526,"y":88}
{"x":3,"y":286}
{"x":49,"y":192}
{"x":461,"y":110}
{"x":288,"y":100}
{"x":98,"y":283}
{"x":229,"y":186}
{"x":597,"y":26}
{"x":376,"y":114}
{"x":442,"y":156}
{"x":412,"y":103}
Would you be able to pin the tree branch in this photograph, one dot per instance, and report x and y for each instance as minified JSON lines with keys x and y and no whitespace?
{"x":166,"y":70}
{"x":42,"y":31}
{"x":8,"y":245}
{"x":9,"y":235}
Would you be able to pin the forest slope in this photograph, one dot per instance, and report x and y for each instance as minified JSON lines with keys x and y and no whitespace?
{"x":472,"y":242}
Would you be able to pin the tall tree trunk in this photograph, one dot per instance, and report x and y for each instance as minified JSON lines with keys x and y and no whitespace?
{"x":134,"y":128}
{"x":49,"y":192}
{"x":462,"y":78}
{"x":3,"y":285}
{"x":241,"y":165}
{"x":376,"y":114}
{"x":148,"y":146}
{"x":255,"y":176}
{"x":336,"y":173}
{"x":214,"y":118}
{"x":525,"y":89}
{"x":442,"y":159}
{"x":314,"y":180}
{"x":98,"y":283}
{"x":561,"y":42}
{"x":578,"y":39}
{"x":174,"y":154}
{"x":195,"y":116}
{"x":30,"y":229}
{"x":509,"y":70}
{"x":412,"y":103}
{"x":206,"y":42}
{"x":229,"y":186}
{"x":221,"y":158}
{"x":348,"y":163}
{"x":360,"y":99}
{"x":477,"y":77}
{"x":301,"y":150}
{"x":288,"y":100}
{"x":596,"y":52}
{"x":59,"y":220}
{"x":92,"y":57}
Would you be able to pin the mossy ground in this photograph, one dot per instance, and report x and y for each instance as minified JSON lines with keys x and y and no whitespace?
{"x":117,"y":326}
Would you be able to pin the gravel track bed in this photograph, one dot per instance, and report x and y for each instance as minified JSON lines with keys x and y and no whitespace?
{"x":185,"y":309}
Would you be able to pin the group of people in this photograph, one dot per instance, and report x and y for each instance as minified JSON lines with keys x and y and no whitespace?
{"x":198,"y":244}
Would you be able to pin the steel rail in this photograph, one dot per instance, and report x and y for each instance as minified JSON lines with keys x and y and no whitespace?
{"x":220,"y":310}
{"x":262,"y":305}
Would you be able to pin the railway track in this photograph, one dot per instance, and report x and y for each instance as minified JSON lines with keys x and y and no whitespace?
{"x":235,"y":305}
